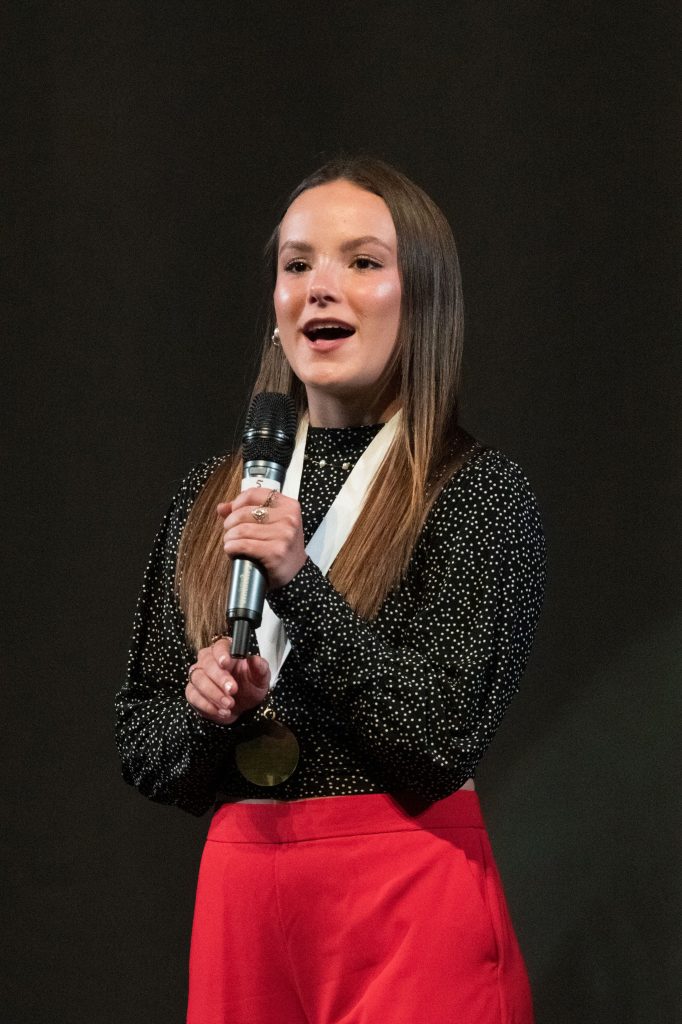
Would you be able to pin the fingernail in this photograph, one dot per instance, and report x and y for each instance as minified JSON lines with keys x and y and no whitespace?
{"x":223,"y":712}
{"x":229,"y":687}
{"x":227,"y":703}
{"x":223,"y":662}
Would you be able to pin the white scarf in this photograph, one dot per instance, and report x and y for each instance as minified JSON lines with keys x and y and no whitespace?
{"x":332,"y":532}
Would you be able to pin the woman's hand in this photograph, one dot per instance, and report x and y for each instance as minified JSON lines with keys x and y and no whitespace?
{"x":221,"y":688}
{"x":275,"y":542}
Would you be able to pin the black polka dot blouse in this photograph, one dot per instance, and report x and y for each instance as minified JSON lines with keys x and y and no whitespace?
{"x":407,"y":702}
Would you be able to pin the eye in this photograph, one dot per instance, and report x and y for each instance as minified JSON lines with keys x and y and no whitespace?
{"x":365,"y":263}
{"x":296,"y":266}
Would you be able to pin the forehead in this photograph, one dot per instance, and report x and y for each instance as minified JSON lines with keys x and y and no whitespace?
{"x":337,"y":210}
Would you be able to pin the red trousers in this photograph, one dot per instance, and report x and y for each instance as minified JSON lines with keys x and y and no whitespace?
{"x":352,"y":910}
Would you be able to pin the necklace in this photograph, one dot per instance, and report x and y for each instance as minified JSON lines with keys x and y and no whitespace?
{"x":321,"y":463}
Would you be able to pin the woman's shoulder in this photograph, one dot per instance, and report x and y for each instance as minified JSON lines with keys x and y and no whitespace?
{"x":489,"y":468}
{"x":193,"y":481}
{"x":189,"y":488}
{"x":489,"y":487}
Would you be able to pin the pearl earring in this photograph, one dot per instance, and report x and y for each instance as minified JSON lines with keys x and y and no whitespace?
{"x":275,"y":337}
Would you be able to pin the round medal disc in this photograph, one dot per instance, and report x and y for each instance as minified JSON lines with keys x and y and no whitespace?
{"x":267,"y":753}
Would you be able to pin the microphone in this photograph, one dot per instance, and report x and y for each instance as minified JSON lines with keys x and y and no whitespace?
{"x":267,"y":447}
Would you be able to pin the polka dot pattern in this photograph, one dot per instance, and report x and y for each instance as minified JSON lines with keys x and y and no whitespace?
{"x":409,"y":701}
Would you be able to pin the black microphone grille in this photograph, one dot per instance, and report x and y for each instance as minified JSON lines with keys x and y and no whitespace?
{"x":270,"y":428}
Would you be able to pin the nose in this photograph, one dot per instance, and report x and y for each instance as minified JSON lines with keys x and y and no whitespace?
{"x":319,"y":295}
{"x":323,"y":288}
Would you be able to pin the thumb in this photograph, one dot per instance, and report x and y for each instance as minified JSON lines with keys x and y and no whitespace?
{"x":262,"y":668}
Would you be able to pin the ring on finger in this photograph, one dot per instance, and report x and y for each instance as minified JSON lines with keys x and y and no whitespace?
{"x":260,"y":514}
{"x":189,"y":674}
{"x":270,"y":500}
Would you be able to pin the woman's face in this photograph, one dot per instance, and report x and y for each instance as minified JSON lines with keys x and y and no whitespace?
{"x":337,"y":300}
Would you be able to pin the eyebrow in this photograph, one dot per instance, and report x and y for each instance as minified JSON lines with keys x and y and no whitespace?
{"x":353,"y":243}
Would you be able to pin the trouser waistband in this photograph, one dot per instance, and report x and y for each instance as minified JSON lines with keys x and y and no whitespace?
{"x":324,"y":817}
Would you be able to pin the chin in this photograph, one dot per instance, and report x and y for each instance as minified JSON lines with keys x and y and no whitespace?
{"x":329,"y":379}
{"x":337,"y":387}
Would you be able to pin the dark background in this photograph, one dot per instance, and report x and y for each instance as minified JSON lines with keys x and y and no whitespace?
{"x":150,"y":146}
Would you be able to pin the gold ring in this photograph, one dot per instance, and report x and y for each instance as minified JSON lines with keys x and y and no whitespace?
{"x":270,"y":500}
{"x":219,"y":636}
{"x":189,"y":674}
{"x":260,"y":514}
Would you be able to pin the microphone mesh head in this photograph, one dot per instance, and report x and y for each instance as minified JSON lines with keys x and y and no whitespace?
{"x":270,"y":428}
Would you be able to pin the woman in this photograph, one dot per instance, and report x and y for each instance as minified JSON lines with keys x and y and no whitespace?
{"x":360,"y":888}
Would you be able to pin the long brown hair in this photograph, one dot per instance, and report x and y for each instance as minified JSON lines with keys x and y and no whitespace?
{"x":427,"y":446}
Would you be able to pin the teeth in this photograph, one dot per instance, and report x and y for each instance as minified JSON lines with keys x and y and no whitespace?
{"x":328,"y":329}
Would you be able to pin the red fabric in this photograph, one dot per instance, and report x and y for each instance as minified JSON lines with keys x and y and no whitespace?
{"x":353,"y":910}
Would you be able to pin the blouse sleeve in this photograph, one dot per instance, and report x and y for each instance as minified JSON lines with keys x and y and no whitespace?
{"x":168,"y":751}
{"x":426,"y":703}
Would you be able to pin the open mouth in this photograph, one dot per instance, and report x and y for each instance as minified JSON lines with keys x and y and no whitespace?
{"x":329,"y":330}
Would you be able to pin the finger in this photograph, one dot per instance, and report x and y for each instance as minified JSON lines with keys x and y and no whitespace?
{"x":217,"y":662}
{"x":221,"y":651}
{"x":220,"y":694}
{"x":218,"y":691}
{"x":200,"y":704}
{"x":285,"y":522}
{"x":278,"y":537}
{"x":239,"y":516}
{"x":219,"y":672}
{"x":254,"y":676}
{"x":269,"y":552}
{"x":260,"y":670}
{"x":258,"y":496}
{"x":206,"y":707}
{"x":255,"y":531}
{"x":223,"y":508}
{"x":226,"y":671}
{"x":214,"y":716}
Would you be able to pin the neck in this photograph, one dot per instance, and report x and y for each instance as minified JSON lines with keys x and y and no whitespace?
{"x":332,"y":411}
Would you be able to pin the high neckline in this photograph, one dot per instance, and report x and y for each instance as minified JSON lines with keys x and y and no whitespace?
{"x":364,"y":430}
{"x":346,"y":442}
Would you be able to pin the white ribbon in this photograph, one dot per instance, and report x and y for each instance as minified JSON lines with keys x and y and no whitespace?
{"x":332,"y":532}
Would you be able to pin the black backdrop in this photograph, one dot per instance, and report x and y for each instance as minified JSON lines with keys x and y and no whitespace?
{"x":150,"y":144}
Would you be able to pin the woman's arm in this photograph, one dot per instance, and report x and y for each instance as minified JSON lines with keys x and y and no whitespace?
{"x":168,"y":750}
{"x":425,"y":702}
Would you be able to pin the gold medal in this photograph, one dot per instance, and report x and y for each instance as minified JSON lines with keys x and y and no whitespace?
{"x":267,"y":751}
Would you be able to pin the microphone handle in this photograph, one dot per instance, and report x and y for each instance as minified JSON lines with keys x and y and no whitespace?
{"x":246,"y":595}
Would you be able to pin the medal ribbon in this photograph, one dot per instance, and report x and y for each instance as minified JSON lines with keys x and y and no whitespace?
{"x":332,"y":532}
